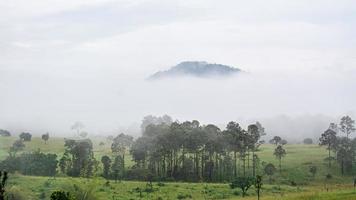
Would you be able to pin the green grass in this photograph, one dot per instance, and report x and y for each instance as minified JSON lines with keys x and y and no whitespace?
{"x":125,"y":190}
{"x":295,"y":168}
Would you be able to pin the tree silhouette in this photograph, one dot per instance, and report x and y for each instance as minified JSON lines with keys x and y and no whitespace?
{"x":347,"y":125}
{"x":45,"y":137}
{"x":328,"y":138}
{"x":258,"y":185}
{"x":270,"y":169}
{"x":280,"y":152}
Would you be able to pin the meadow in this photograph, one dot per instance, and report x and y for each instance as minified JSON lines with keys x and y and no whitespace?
{"x":295,"y":182}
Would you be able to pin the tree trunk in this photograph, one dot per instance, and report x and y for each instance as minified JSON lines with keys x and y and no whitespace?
{"x":253,"y":164}
{"x":202,"y":164}
{"x":329,"y":157}
{"x":235,"y":166}
{"x":342,"y":166}
{"x":244,"y":164}
{"x":123,"y":165}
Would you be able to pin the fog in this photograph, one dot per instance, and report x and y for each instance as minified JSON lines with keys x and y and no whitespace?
{"x":88,"y":61}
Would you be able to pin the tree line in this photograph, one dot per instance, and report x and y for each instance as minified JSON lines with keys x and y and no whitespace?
{"x":341,"y":147}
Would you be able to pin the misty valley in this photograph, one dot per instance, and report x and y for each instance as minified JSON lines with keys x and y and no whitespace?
{"x":177,"y":100}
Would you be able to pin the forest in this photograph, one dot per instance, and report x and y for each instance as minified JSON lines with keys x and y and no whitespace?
{"x":170,"y":152}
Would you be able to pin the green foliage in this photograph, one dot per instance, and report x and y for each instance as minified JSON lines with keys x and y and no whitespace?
{"x":270,"y":169}
{"x":106,"y":161}
{"x":81,"y":162}
{"x":276,"y":140}
{"x":35,"y":163}
{"x":329,"y":139}
{"x":18,"y":145}
{"x":184,"y":196}
{"x":61,"y":195}
{"x":244,"y":183}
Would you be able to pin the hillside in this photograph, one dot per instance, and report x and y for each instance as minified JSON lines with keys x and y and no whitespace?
{"x":196,"y":69}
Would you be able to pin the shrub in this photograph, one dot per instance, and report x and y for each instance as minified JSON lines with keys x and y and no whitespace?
{"x":160,"y":184}
{"x":313,"y":170}
{"x":184,"y":196}
{"x":25,"y":136}
{"x":61,"y":195}
{"x":36,"y":163}
{"x":244,"y":183}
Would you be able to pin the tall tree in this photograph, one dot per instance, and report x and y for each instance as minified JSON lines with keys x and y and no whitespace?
{"x":106,"y":165}
{"x":329,"y":139}
{"x":258,"y":186}
{"x":347,"y":125}
{"x":280,"y":152}
{"x":253,"y":144}
{"x":120,"y":145}
{"x":235,"y":136}
{"x":82,"y":162}
{"x":344,"y":154}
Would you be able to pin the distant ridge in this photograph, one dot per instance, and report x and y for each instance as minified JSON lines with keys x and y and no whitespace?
{"x":196,"y":69}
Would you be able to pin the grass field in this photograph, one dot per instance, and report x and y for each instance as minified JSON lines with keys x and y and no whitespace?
{"x":295,"y":168}
{"x":127,"y":190}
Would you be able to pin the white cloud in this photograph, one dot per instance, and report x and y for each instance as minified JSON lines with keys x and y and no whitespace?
{"x":86,"y":60}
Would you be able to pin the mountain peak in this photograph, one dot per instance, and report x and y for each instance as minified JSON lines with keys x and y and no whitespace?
{"x":200,"y":69}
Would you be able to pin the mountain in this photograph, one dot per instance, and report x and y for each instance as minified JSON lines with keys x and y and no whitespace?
{"x":196,"y":69}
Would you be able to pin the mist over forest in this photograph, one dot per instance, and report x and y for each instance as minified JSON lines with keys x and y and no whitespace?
{"x":292,"y":104}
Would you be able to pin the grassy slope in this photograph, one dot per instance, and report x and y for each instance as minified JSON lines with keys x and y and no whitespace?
{"x":295,"y":167}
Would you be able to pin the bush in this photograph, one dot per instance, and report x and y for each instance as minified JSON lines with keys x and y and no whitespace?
{"x":25,"y":137}
{"x":184,"y":196}
{"x":244,"y":183}
{"x":160,"y":184}
{"x":61,"y":195}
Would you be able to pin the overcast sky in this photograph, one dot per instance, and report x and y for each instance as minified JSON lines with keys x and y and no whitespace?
{"x":63,"y":61}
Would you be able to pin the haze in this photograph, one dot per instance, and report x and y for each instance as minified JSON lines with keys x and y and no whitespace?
{"x":87,"y":60}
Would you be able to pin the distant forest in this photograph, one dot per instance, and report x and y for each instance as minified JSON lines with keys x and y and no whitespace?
{"x":175,"y":151}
